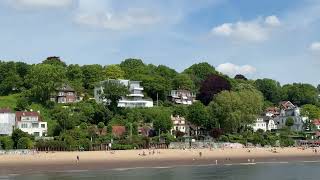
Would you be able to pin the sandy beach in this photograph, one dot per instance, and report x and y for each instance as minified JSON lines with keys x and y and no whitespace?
{"x":97,"y":160}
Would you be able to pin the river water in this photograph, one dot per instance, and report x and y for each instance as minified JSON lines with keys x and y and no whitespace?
{"x":263,"y":171}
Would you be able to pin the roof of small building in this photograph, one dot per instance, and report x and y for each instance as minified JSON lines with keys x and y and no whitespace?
{"x":65,"y":87}
{"x":20,"y":114}
{"x":286,"y":105}
{"x":5,"y":110}
{"x":316,"y":122}
{"x":118,"y":130}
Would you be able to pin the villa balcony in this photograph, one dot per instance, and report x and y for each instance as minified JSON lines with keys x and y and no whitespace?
{"x":135,"y":95}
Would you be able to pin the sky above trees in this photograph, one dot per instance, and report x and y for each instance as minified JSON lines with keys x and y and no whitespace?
{"x":269,"y":39}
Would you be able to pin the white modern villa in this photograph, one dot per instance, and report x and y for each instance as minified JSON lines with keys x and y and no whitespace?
{"x":134,"y":99}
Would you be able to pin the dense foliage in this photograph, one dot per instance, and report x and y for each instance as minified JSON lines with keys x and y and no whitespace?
{"x":225,"y":106}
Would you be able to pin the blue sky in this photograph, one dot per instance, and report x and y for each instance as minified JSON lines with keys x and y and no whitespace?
{"x":271,"y":38}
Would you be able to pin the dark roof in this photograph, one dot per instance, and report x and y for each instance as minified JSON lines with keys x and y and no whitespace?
{"x":65,"y":87}
{"x":5,"y":110}
{"x":19,"y":114}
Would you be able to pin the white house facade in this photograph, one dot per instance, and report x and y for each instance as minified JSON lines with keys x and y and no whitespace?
{"x":135,"y":98}
{"x":179,"y":124}
{"x":259,"y":124}
{"x":30,"y":122}
{"x":180,"y":96}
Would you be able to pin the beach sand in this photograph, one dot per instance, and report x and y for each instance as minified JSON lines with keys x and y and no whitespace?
{"x":101,"y":160}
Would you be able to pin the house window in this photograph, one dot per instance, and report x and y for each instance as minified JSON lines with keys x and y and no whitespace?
{"x":24,"y":125}
{"x":35,"y":125}
{"x":70,"y":93}
{"x":36,"y":134}
{"x":43,"y":126}
{"x":61,"y":93}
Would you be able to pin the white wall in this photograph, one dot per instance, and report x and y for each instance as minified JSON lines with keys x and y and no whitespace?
{"x":7,"y":122}
{"x":32,"y":130}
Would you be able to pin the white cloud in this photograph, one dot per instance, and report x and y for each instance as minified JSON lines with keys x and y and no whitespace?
{"x":272,"y":21}
{"x":233,"y":69}
{"x":113,"y":15}
{"x":42,"y":3}
{"x":315,"y":46}
{"x":114,"y":21}
{"x":256,"y":30}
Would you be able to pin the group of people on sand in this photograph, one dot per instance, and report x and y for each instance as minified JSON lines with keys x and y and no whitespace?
{"x":150,"y":152}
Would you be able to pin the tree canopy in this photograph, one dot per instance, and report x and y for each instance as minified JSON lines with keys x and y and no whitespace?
{"x":199,"y":72}
{"x":270,"y":89}
{"x":211,"y":86}
{"x":233,"y":111}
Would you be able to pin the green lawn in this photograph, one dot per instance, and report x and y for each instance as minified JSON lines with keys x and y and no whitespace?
{"x":9,"y":101}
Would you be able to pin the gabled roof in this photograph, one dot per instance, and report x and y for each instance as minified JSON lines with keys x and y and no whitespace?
{"x":286,"y":105}
{"x":65,"y":87}
{"x":20,"y":114}
{"x":5,"y":110}
{"x":273,"y":110}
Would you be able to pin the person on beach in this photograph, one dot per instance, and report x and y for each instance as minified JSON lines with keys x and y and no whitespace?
{"x":200,"y":154}
{"x":78,"y":159}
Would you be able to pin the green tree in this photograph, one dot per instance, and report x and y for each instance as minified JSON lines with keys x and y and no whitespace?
{"x":64,"y":118}
{"x":311,"y":111}
{"x":16,"y":135}
{"x":101,"y":127}
{"x":183,"y":81}
{"x":133,"y":68}
{"x":10,"y":81}
{"x":198,"y":114}
{"x":270,"y":89}
{"x":91,"y":75}
{"x":162,"y":121}
{"x":75,"y":77}
{"x":233,"y":111}
{"x":301,"y":94}
{"x":6,"y":143}
{"x":44,"y":79}
{"x":199,"y":72}
{"x":113,"y":91}
{"x":114,"y":72}
{"x":24,"y":143}
{"x":289,"y":122}
{"x":180,"y":110}
{"x":22,"y":104}
{"x":55,"y":61}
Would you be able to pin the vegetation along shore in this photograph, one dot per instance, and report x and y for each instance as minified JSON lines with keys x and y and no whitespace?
{"x":54,"y":106}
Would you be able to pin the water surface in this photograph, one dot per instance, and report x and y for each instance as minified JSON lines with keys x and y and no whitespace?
{"x":274,"y":171}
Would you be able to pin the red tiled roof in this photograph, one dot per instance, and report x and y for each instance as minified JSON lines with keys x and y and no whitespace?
{"x":5,"y":110}
{"x":118,"y":130}
{"x":286,"y":104}
{"x":20,"y":114}
{"x":272,"y":109}
{"x":316,"y":122}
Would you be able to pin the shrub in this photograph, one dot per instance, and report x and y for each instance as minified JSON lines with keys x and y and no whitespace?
{"x":25,"y":143}
{"x":6,"y":143}
{"x":123,"y":146}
